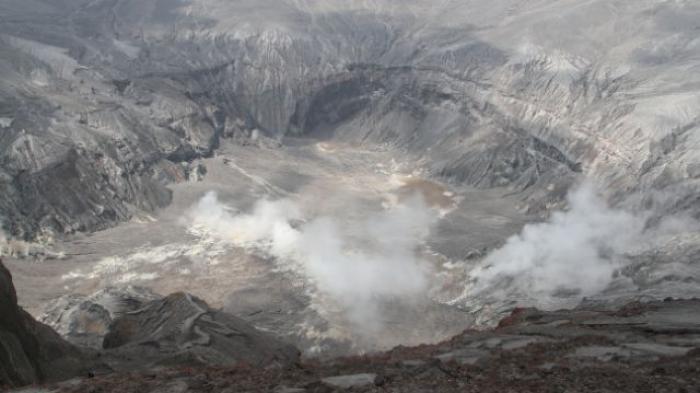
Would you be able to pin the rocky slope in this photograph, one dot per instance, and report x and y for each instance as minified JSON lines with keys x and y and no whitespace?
{"x":178,"y":344}
{"x":143,"y":331}
{"x":29,"y":351}
{"x":135,"y":323}
{"x":114,"y":97}
{"x":638,"y":348}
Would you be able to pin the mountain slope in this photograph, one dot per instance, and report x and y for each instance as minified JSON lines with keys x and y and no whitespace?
{"x":637,"y":348}
{"x":113,"y":95}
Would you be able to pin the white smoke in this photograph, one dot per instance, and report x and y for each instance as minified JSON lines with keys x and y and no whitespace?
{"x":13,"y":248}
{"x":556,"y":263}
{"x":269,"y":223}
{"x":355,"y":263}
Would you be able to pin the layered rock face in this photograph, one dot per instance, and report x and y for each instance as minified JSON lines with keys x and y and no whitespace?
{"x":31,"y":352}
{"x":114,"y":98}
{"x":181,"y":329}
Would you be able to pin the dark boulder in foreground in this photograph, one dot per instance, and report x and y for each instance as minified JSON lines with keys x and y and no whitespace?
{"x":183,"y":330}
{"x":31,"y":352}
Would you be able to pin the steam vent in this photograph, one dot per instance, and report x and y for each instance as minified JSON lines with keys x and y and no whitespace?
{"x":299,"y":196}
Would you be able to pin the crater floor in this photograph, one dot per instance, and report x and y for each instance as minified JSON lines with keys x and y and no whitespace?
{"x":167,"y":253}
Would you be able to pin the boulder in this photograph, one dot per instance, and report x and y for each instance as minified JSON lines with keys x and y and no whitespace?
{"x":85,"y":320}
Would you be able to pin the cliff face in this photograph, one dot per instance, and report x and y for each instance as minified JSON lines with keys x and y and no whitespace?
{"x":29,"y":351}
{"x":114,"y":98}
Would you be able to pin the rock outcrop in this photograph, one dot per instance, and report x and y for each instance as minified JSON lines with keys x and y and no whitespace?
{"x":183,"y":330}
{"x":124,"y":330}
{"x":31,"y":352}
{"x":134,"y":328}
{"x":84,"y":320}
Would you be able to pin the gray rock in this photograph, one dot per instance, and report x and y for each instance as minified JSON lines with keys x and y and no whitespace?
{"x":642,"y":350}
{"x":521,"y":342}
{"x":351,"y":381}
{"x":182,"y":330}
{"x":413,"y":363}
{"x":464,"y":356}
{"x":507,"y":342}
{"x":173,"y":387}
{"x":85,"y":320}
{"x":658,"y":349}
{"x":602,"y":353}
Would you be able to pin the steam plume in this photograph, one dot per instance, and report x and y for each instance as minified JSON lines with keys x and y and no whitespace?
{"x":572,"y":255}
{"x":357,"y":263}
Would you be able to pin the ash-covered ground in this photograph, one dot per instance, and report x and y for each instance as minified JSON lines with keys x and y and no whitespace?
{"x":342,"y":249}
{"x":217,"y":241}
